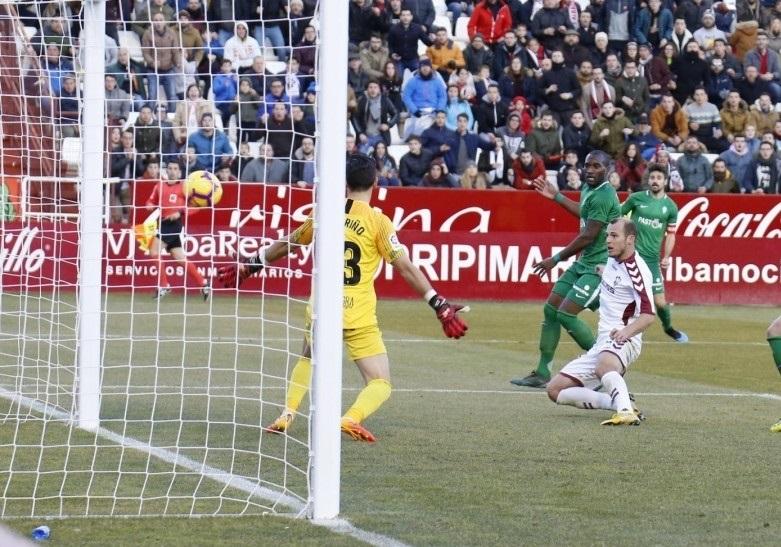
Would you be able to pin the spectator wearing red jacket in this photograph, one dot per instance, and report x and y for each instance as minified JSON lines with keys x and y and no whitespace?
{"x":491,"y":18}
{"x":527,"y":168}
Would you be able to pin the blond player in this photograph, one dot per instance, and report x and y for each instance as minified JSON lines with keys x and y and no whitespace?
{"x":626,"y":309}
{"x":369,"y":238}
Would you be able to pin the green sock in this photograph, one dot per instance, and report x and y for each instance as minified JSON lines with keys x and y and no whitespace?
{"x":666,"y":317}
{"x":576,"y":328}
{"x":775,"y":347}
{"x":549,"y":339}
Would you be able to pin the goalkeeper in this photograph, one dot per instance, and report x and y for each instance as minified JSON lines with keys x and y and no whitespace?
{"x":369,"y":237}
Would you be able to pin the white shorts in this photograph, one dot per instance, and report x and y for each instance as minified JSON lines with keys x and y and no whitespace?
{"x":583,"y":369}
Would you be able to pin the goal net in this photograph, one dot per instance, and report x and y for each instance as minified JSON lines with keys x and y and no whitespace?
{"x":126,"y":387}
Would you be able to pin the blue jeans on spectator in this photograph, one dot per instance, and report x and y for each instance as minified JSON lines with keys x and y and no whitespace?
{"x":368,"y":146}
{"x":274,"y":35}
{"x":775,"y":91}
{"x":456,"y":9}
{"x":411,"y":64}
{"x":166,"y":78}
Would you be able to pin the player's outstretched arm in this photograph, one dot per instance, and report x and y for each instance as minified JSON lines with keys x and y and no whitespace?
{"x":233,"y":275}
{"x":583,"y":239}
{"x":551,"y":191}
{"x":447,"y":313}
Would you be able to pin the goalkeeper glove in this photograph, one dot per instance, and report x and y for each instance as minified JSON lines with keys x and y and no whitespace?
{"x":233,"y":275}
{"x":452,"y":324}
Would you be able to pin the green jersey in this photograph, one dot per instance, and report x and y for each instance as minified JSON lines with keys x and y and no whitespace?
{"x":655,"y":218}
{"x":600,"y":204}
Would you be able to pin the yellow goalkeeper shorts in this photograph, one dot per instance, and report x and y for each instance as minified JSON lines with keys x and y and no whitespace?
{"x":361,"y":342}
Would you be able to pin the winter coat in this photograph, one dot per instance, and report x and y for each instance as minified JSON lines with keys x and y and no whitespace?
{"x":773,"y":65}
{"x":631,"y":174}
{"x":240,"y":52}
{"x":442,"y":56}
{"x":537,"y":170}
{"x":759,"y":13}
{"x":719,"y":87}
{"x":491,"y":115}
{"x":751,"y":181}
{"x":615,"y":141}
{"x":503,"y":57}
{"x":763,"y":121}
{"x":162,"y":52}
{"x":421,"y":93}
{"x":733,"y":122}
{"x":696,"y":171}
{"x":637,"y":89}
{"x":388,"y":115}
{"x":657,"y":118}
{"x":727,"y":185}
{"x":643,"y":20}
{"x":412,"y":167}
{"x":585,"y":102}
{"x":567,"y":82}
{"x":373,"y":62}
{"x":456,"y":107}
{"x":691,"y":72}
{"x":657,"y":71}
{"x":210,"y":149}
{"x":404,"y":41}
{"x":547,"y":18}
{"x":475,"y":58}
{"x":482,"y":21}
{"x":738,"y":164}
{"x":750,"y":92}
{"x":744,"y":38}
{"x":577,"y":139}
{"x":546,"y":143}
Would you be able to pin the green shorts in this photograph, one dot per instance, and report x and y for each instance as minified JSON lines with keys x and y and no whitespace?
{"x":580,"y":284}
{"x":657,"y":283}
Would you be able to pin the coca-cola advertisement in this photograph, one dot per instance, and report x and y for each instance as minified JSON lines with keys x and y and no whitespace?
{"x":471,"y":244}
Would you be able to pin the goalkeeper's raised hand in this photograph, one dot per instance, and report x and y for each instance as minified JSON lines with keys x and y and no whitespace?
{"x":233,"y":275}
{"x":447,"y":313}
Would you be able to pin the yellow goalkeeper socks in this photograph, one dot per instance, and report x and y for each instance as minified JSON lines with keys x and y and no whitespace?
{"x":369,"y":400}
{"x":299,"y":383}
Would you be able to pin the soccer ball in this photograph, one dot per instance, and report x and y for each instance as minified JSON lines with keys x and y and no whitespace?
{"x":202,"y":189}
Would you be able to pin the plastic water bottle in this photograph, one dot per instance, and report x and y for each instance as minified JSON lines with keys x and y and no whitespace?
{"x":41,"y":533}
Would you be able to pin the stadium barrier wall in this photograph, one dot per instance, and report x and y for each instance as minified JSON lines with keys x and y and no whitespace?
{"x":472,"y":244}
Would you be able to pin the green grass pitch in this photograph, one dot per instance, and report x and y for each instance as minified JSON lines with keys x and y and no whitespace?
{"x":463,"y":458}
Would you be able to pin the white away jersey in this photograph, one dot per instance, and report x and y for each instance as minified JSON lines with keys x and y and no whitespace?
{"x":625,"y":293}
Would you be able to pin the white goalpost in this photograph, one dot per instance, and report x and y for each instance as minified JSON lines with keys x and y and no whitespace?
{"x":117,"y":402}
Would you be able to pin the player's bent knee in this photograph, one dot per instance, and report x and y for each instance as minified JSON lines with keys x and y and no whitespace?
{"x":555,"y":386}
{"x":608,"y":362}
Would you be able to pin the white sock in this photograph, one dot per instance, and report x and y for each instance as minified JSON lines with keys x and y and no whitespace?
{"x":619,"y":393}
{"x":585,"y":398}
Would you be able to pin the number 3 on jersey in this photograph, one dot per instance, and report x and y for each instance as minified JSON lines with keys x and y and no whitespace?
{"x":352,"y":270}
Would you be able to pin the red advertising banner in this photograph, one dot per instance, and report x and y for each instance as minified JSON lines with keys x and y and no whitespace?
{"x":471,"y":244}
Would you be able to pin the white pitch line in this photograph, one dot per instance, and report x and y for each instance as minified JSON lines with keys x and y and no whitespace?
{"x":339,"y":526}
{"x":259,"y":342}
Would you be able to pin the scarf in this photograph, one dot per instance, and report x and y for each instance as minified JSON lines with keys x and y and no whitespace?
{"x":375,"y":110}
{"x":598,"y":97}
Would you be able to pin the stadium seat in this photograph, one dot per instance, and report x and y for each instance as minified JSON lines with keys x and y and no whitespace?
{"x":460,"y":45}
{"x":443,"y":21}
{"x":254,"y":148}
{"x":396,"y":151}
{"x":276,"y":67}
{"x":552,"y":176}
{"x":30,"y":32}
{"x":421,"y":49}
{"x":461,"y":29}
{"x":394,"y":134}
{"x":440,"y":7}
{"x":129,"y":39}
{"x":131,"y":119}
{"x":71,"y":150}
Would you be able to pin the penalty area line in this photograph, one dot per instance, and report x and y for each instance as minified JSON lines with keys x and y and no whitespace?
{"x":338,"y":526}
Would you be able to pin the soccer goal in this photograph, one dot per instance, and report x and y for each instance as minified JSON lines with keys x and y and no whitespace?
{"x":119,"y":398}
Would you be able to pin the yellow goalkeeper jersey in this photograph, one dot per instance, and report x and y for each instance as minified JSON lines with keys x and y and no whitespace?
{"x":369,"y":237}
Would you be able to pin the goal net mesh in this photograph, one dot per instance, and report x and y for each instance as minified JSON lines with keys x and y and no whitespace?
{"x":187,"y":383}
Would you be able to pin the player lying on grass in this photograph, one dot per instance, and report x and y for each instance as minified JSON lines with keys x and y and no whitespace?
{"x":578,"y":288}
{"x":656,"y":218}
{"x":626,"y":309}
{"x":369,"y":238}
{"x":168,"y":195}
{"x":774,"y":339}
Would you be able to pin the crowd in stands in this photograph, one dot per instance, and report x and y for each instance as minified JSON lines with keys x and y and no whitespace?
{"x":472,"y":94}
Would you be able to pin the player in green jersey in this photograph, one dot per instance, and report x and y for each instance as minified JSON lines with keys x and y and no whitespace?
{"x":578,"y":288}
{"x":656,"y":217}
{"x":774,"y":339}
